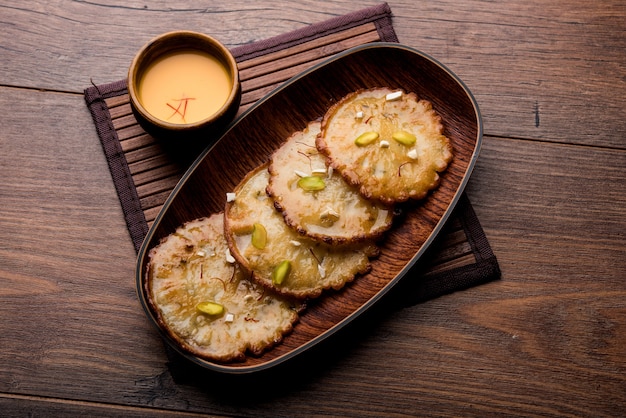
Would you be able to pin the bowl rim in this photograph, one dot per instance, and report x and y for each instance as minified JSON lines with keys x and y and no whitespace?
{"x":214,"y":47}
{"x":234,"y":369}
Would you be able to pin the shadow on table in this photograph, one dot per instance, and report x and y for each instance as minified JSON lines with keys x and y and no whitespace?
{"x":305,"y":369}
{"x":293,"y":375}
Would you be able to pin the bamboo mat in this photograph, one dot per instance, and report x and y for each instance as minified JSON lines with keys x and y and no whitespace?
{"x":145,"y":172}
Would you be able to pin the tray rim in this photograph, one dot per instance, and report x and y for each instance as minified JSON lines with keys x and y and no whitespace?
{"x":240,"y":370}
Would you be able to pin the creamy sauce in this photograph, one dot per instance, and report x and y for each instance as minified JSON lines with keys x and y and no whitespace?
{"x":184,"y":87}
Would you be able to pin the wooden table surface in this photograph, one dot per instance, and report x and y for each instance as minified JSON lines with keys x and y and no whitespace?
{"x":548,"y":339}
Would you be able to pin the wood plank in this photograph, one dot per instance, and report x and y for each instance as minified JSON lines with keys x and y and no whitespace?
{"x":153,"y":203}
{"x":331,"y":39}
{"x":121,"y":100}
{"x":122,"y":109}
{"x":505,"y":52}
{"x":272,"y":80}
{"x":158,"y":186}
{"x":125,"y":121}
{"x":16,"y":405}
{"x":447,"y":264}
{"x":156,"y":174}
{"x":151,"y":214}
{"x":318,"y":49}
{"x":554,"y":192}
{"x":149,"y":163}
{"x":248,"y":99}
{"x":135,"y":138}
{"x":60,"y":211}
{"x":144,"y":153}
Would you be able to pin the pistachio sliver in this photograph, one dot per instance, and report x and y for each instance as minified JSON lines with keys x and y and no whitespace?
{"x":311,"y":183}
{"x":366,"y":138}
{"x":259,"y":236}
{"x":210,"y":308}
{"x":404,"y":137}
{"x":281,"y":271}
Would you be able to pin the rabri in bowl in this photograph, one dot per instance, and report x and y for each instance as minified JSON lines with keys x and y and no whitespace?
{"x":184,"y":84}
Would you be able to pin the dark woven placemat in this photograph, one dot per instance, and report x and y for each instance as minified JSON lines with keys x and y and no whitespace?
{"x":144,"y":173}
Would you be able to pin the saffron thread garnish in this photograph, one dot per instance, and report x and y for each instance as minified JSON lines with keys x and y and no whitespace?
{"x":305,"y":144}
{"x":309,"y":158}
{"x":400,"y":167}
{"x":176,"y":110}
{"x":181,"y":102}
{"x":314,"y":256}
{"x":221,"y":281}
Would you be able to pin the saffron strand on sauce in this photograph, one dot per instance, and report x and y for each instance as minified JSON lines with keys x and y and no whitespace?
{"x":181,"y":102}
{"x":176,"y":111}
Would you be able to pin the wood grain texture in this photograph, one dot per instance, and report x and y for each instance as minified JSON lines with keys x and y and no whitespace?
{"x":546,"y":340}
{"x":548,"y":71}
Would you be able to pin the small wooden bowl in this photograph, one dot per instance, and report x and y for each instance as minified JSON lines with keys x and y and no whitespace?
{"x":169,"y":44}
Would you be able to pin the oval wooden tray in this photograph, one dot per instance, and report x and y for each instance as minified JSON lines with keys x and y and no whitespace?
{"x":251,"y":139}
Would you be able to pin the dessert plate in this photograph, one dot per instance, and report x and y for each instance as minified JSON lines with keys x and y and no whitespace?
{"x":249,"y":141}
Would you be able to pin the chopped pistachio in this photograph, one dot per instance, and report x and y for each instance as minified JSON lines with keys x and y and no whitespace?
{"x":210,"y":308}
{"x":259,"y":236}
{"x":404,"y":137}
{"x":281,"y":271}
{"x":311,"y":183}
{"x":366,"y":138}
